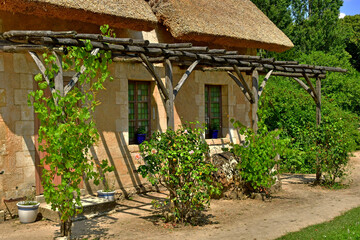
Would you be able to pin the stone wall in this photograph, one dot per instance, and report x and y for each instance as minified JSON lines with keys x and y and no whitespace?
{"x":17,"y":150}
{"x":17,"y":143}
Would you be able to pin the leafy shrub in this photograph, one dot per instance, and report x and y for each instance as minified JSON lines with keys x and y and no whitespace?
{"x":176,"y":160}
{"x":333,"y":147}
{"x":257,"y":156}
{"x":286,"y":106}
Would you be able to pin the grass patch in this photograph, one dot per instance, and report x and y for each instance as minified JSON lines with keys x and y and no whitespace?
{"x":346,"y":226}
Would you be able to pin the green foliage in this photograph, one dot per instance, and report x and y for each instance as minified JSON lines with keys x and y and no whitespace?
{"x":352,"y":23}
{"x":141,"y":130}
{"x":345,"y":226}
{"x":176,"y":160}
{"x":286,"y":106}
{"x":257,"y":156}
{"x":67,"y":130}
{"x":215,"y":126}
{"x":312,"y":25}
{"x":333,"y":148}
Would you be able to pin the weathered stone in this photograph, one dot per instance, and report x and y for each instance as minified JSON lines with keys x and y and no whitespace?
{"x":227,"y":174}
{"x":20,"y":63}
{"x":2,"y":216}
{"x":26,"y":81}
{"x":24,"y":128}
{"x":1,"y":63}
{"x":27,"y":112}
{"x":21,"y":96}
{"x":2,"y":97}
{"x":25,"y":159}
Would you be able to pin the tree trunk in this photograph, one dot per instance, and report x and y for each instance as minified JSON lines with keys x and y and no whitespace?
{"x":65,"y":228}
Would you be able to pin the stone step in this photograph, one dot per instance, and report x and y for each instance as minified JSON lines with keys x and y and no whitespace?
{"x":92,"y":206}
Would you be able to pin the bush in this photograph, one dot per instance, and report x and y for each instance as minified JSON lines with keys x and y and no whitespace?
{"x":257,"y":156}
{"x":333,"y":147}
{"x":176,"y":160}
{"x":288,"y":107}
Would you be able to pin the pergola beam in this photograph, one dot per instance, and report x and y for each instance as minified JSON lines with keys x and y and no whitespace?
{"x":316,"y":97}
{"x":263,"y":84}
{"x":151,"y":69}
{"x":42,"y":69}
{"x":255,"y":92}
{"x":243,"y":82}
{"x":185,"y":77}
{"x":237,"y":81}
{"x":77,"y":75}
{"x":170,"y":102}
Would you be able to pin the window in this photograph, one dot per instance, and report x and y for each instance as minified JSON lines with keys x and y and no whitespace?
{"x":213,"y":108}
{"x":139,"y":108}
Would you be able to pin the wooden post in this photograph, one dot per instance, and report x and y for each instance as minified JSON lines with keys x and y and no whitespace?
{"x":318,"y":122}
{"x":59,"y":80}
{"x":170,"y":101}
{"x":318,"y":105}
{"x":255,"y":90}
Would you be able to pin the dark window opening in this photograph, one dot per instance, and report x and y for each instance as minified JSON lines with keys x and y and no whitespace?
{"x":213,"y":109}
{"x":139,"y":109}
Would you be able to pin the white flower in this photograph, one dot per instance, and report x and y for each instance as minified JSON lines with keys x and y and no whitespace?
{"x":191,"y":152}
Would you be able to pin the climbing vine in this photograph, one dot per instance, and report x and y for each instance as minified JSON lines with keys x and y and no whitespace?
{"x":67,"y":128}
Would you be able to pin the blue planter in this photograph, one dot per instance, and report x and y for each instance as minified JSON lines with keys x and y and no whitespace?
{"x":140,"y":138}
{"x":214,"y":134}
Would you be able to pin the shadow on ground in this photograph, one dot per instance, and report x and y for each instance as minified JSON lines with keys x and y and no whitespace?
{"x":90,"y":227}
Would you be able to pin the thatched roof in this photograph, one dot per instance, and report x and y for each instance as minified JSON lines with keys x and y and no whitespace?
{"x":237,"y":23}
{"x":132,"y":14}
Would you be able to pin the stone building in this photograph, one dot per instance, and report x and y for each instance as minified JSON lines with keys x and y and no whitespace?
{"x":230,"y":24}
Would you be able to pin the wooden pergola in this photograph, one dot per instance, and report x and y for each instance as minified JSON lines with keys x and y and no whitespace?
{"x":184,"y":55}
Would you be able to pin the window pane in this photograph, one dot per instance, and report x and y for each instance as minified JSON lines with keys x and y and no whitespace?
{"x":131,"y":130}
{"x":131,"y":92}
{"x":142,"y":93}
{"x":131,"y":111}
{"x":143,"y":111}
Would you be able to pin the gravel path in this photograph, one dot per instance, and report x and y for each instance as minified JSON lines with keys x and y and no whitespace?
{"x":298,"y":205}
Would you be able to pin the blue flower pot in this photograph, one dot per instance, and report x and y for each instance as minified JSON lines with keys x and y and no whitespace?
{"x":214,"y":134}
{"x":140,"y":138}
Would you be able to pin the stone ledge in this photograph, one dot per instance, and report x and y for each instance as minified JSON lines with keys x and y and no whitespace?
{"x":92,"y":206}
{"x":218,"y":141}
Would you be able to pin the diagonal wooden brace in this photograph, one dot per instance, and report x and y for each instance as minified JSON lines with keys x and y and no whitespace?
{"x":304,"y":86}
{"x":151,"y":69}
{"x":311,"y":87}
{"x":59,"y":80}
{"x":237,"y":81}
{"x":243,"y":82}
{"x":76,"y":77}
{"x":185,"y":77}
{"x":42,"y":69}
{"x":263,"y":84}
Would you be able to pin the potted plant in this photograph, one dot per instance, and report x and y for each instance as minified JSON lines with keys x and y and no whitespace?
{"x":108,"y":192}
{"x":140,"y":134}
{"x":214,"y":131}
{"x":28,"y":209}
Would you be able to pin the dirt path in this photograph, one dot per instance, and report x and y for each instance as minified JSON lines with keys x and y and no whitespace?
{"x":298,"y":205}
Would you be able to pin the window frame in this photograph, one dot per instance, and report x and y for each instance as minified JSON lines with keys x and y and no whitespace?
{"x":208,"y":105}
{"x":136,"y":102}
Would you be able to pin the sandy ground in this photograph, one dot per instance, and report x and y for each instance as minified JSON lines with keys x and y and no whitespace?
{"x":298,"y":205}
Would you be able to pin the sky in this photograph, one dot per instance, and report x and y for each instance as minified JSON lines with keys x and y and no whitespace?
{"x":350,"y":7}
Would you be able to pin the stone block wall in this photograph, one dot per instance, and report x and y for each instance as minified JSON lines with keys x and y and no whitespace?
{"x":17,"y":149}
{"x":17,"y":123}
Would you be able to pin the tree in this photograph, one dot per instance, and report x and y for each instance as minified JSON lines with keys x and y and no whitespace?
{"x":312,"y":25}
{"x":352,"y":23}
{"x":67,"y":130}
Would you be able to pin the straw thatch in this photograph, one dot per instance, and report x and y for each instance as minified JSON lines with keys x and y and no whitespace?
{"x":131,"y":14}
{"x":237,"y":23}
